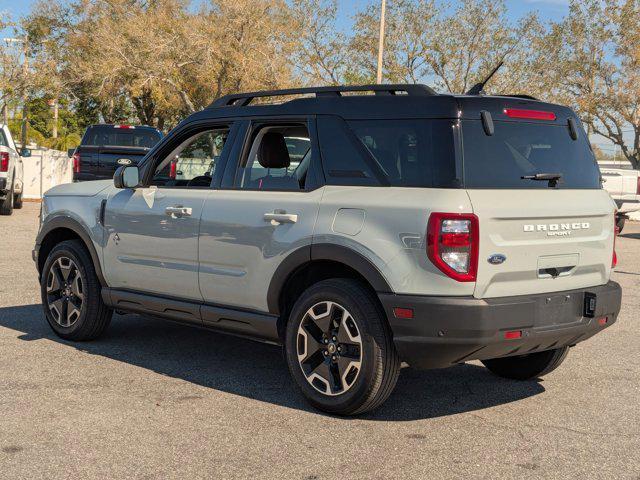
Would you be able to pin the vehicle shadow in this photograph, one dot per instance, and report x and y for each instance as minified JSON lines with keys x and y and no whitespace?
{"x":258,"y":371}
{"x":630,"y":235}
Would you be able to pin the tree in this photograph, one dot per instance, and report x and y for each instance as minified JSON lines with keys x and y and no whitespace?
{"x":594,"y":52}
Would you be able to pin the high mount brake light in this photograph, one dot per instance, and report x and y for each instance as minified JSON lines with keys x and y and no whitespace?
{"x":4,"y":162}
{"x":452,"y":244}
{"x":130,"y":127}
{"x":529,"y":114}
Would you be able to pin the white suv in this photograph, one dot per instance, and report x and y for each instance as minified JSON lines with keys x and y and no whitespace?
{"x":357,"y":231}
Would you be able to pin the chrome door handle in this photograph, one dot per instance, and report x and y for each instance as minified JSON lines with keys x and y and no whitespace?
{"x":178,"y":211}
{"x":280,"y":217}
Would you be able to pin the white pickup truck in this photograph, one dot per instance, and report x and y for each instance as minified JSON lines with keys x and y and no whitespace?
{"x":624,"y":187}
{"x":11,"y":172}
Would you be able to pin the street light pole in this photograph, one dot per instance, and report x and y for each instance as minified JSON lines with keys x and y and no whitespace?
{"x":381,"y":42}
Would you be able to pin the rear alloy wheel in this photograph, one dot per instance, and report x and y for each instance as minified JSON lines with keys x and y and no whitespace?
{"x":339,"y":348}
{"x":526,"y":367}
{"x":329,"y":348}
{"x":71,"y":293}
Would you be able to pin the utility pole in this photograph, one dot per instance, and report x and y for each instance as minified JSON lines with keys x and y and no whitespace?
{"x":25,"y":95}
{"x":383,"y":7}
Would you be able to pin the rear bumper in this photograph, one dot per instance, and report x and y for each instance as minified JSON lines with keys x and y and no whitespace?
{"x":449,"y":330}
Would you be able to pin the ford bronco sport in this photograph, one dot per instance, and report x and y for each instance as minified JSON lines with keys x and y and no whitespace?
{"x":357,"y":230}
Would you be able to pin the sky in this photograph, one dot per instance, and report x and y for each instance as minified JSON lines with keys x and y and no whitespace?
{"x":547,"y":9}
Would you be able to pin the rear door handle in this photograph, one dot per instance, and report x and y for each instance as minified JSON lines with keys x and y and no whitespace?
{"x":178,"y":211}
{"x":280,"y":217}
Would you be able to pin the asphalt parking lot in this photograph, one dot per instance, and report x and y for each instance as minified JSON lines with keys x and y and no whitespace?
{"x":154,"y":399}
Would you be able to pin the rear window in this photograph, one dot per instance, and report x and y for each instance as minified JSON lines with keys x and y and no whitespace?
{"x":103,"y":135}
{"x":403,"y":153}
{"x":519,"y":149}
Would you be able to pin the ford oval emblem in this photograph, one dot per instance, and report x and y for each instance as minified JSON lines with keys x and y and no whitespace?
{"x":124,"y":161}
{"x":496,"y":259}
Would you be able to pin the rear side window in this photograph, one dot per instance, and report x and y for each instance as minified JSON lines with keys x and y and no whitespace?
{"x":3,"y":140}
{"x":103,"y":135}
{"x":404,"y":153}
{"x":519,"y":149}
{"x":411,"y":153}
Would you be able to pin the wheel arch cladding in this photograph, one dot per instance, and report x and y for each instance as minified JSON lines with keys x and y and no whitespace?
{"x":311,"y":264}
{"x":60,"y":229}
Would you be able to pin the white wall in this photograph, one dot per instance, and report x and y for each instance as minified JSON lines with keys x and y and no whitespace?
{"x":56,"y":168}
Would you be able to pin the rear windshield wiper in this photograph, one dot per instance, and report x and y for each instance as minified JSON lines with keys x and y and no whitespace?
{"x":552,"y":178}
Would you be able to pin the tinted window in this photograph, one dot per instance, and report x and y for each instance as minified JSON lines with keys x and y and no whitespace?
{"x":411,"y":153}
{"x":123,"y":137}
{"x":344,"y":159}
{"x":3,"y":140}
{"x":518,"y":148}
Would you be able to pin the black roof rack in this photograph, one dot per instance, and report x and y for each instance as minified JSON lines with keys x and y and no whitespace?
{"x":243,"y":99}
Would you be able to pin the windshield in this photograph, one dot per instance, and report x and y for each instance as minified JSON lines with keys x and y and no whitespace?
{"x":518,"y":149}
{"x":103,"y":135}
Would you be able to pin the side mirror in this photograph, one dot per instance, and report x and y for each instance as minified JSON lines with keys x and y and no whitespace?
{"x":25,"y":152}
{"x":70,"y":152}
{"x":126,"y":177}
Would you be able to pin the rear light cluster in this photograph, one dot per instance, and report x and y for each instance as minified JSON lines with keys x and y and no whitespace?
{"x":452,"y":244}
{"x":638,"y":185}
{"x":173,"y":169}
{"x":76,"y":162}
{"x":4,"y":162}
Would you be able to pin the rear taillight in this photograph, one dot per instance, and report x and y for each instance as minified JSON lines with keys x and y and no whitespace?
{"x":452,"y":244}
{"x":173,"y":170}
{"x":4,"y":162}
{"x":614,"y":257}
{"x":638,"y":185}
{"x":76,"y":162}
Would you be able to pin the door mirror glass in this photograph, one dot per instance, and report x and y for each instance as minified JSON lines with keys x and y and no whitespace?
{"x":25,"y":152}
{"x":126,"y":177}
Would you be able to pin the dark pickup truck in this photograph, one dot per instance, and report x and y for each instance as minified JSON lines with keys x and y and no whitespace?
{"x":105,"y":147}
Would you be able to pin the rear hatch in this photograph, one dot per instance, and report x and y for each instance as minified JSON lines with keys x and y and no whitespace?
{"x":537,"y":234}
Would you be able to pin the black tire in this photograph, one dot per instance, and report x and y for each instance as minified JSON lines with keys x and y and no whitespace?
{"x":620,"y":223}
{"x":379,"y":365}
{"x":526,"y":367}
{"x":17,"y":200}
{"x":94,"y":316}
{"x":6,"y":205}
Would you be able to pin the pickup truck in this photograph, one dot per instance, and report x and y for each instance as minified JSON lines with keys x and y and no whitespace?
{"x":105,"y":147}
{"x":11,"y":172}
{"x":624,"y":187}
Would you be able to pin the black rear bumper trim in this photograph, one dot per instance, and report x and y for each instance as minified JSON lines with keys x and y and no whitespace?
{"x":449,"y":330}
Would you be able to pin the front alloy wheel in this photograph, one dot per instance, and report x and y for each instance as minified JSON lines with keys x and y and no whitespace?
{"x":329,"y":348}
{"x":65,"y":293}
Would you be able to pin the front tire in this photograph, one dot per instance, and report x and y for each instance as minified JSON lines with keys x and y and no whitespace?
{"x":620,"y":220}
{"x":70,"y":292}
{"x":526,"y":367}
{"x":339,"y":348}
